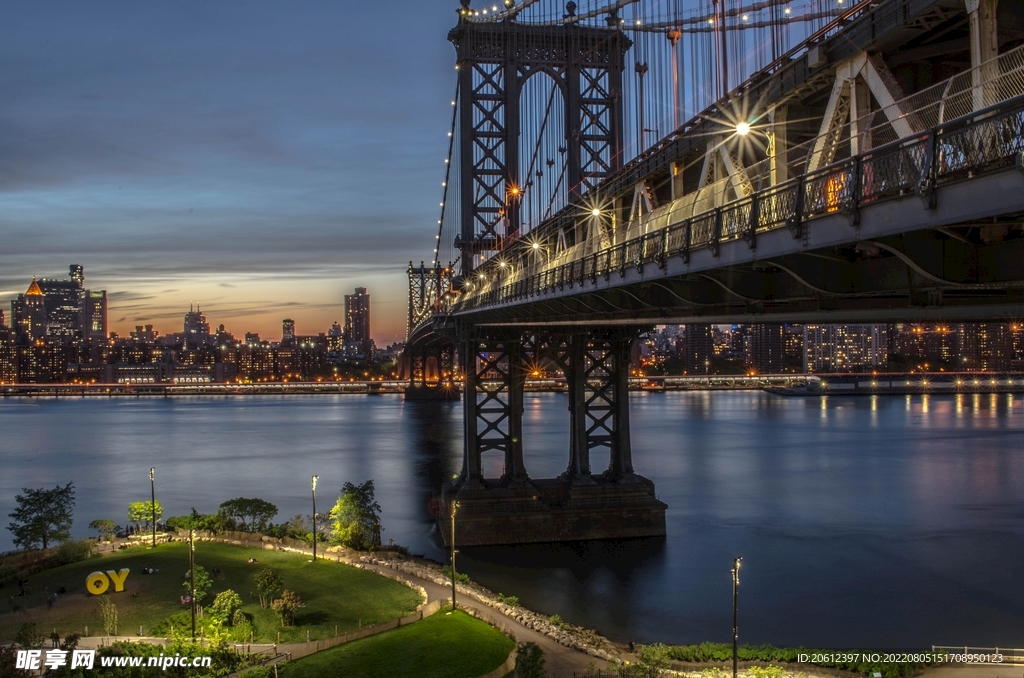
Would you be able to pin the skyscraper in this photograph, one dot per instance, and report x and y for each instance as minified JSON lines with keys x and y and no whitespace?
{"x":28,"y":314}
{"x":767,"y":349}
{"x":698,"y":349}
{"x":287,"y":330}
{"x":197,"y":330}
{"x":94,"y":315}
{"x":357,"y":317}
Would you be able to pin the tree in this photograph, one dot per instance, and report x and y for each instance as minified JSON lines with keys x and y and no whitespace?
{"x":43,"y":516}
{"x":355,"y":519}
{"x":203,"y":583}
{"x":254,"y":513}
{"x":530,"y":661}
{"x":286,"y":606}
{"x":141,"y":513}
{"x":224,"y":607}
{"x":106,"y":528}
{"x":109,"y":612}
{"x":268,"y":585}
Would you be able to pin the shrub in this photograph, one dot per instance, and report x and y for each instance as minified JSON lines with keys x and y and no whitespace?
{"x":8,"y":574}
{"x":109,"y":612}
{"x":656,"y":657}
{"x":530,"y":661}
{"x":511,"y":601}
{"x":224,"y":607}
{"x":268,"y":584}
{"x":460,"y":578}
{"x":28,"y":636}
{"x":72,"y":552}
{"x":286,"y":606}
{"x":556,"y":621}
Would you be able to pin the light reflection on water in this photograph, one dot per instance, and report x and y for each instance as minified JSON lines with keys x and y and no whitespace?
{"x":873,"y":522}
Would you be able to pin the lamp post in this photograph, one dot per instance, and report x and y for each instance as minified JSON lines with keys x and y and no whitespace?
{"x":192,"y":577}
{"x":455,"y":506}
{"x":152,"y":503}
{"x":313,"y":482}
{"x":735,"y":628}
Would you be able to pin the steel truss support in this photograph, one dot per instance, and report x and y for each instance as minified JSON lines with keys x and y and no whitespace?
{"x":494,"y":375}
{"x":984,"y":48}
{"x":857,"y":79}
{"x":494,"y":62}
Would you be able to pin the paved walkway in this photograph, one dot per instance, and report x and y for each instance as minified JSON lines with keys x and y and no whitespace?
{"x":559,"y":659}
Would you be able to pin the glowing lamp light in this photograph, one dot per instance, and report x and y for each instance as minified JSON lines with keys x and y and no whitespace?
{"x":596,"y":212}
{"x":743,"y":129}
{"x":502,"y":264}
{"x":536,"y":245}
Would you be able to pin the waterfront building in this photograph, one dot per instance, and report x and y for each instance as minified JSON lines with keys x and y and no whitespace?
{"x":698,"y":349}
{"x":844,"y":348}
{"x":357,"y":316}
{"x":765,"y":348}
{"x":287,"y":331}
{"x":8,"y":361}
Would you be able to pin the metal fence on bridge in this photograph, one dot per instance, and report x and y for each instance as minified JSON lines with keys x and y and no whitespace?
{"x":988,"y":140}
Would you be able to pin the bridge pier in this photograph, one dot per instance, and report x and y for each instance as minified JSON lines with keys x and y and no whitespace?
{"x":578,"y":505}
{"x":429,"y":370}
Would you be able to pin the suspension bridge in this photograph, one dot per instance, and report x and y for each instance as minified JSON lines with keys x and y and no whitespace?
{"x":613,"y":165}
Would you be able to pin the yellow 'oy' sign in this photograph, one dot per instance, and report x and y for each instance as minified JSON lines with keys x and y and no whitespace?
{"x":97,"y":583}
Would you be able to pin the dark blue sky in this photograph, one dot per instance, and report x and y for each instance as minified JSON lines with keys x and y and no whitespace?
{"x":260,"y":158}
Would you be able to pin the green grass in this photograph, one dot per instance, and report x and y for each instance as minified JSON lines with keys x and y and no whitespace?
{"x":444,"y":645}
{"x":334,"y":594}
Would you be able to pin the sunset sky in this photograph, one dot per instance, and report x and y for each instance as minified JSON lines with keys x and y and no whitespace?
{"x":261,"y":159}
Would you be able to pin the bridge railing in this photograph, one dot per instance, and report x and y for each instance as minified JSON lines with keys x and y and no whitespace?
{"x":990,"y":139}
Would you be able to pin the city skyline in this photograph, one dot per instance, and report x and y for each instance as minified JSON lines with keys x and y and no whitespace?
{"x":231,"y":155}
{"x":165,"y":323}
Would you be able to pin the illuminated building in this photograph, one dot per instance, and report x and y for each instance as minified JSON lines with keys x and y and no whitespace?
{"x":844,"y":348}
{"x":94,"y":315}
{"x":357,"y":316}
{"x":196,"y":329}
{"x":28,"y":315}
{"x":698,"y":348}
{"x":287,"y":331}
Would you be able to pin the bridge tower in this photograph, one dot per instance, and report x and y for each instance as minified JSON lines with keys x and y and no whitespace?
{"x":495,"y":60}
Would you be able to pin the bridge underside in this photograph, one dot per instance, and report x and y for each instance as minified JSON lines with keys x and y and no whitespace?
{"x":952,"y":253}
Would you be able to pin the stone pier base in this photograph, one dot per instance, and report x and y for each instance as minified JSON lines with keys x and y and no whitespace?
{"x":553,"y":510}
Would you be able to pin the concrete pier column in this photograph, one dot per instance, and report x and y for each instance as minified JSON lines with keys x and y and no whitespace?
{"x":621,"y":466}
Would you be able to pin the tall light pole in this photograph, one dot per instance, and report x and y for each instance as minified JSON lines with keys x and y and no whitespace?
{"x":313,"y":483}
{"x":192,"y":577}
{"x":455,"y":506}
{"x":735,"y":628}
{"x":152,"y":503}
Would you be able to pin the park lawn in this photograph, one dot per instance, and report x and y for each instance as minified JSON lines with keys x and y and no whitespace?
{"x":444,"y":645}
{"x":334,"y":594}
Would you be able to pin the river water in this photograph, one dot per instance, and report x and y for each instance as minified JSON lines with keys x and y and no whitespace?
{"x":881,"y":522}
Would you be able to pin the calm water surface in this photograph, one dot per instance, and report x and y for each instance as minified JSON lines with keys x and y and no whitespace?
{"x":863,"y":522}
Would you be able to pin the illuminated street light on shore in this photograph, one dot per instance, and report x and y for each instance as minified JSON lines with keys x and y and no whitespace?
{"x":313,"y":483}
{"x":735,"y":594}
{"x":152,"y":504}
{"x":743,"y":129}
{"x":595,"y":212}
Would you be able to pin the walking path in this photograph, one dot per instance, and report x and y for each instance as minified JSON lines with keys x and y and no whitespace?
{"x":559,"y":659}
